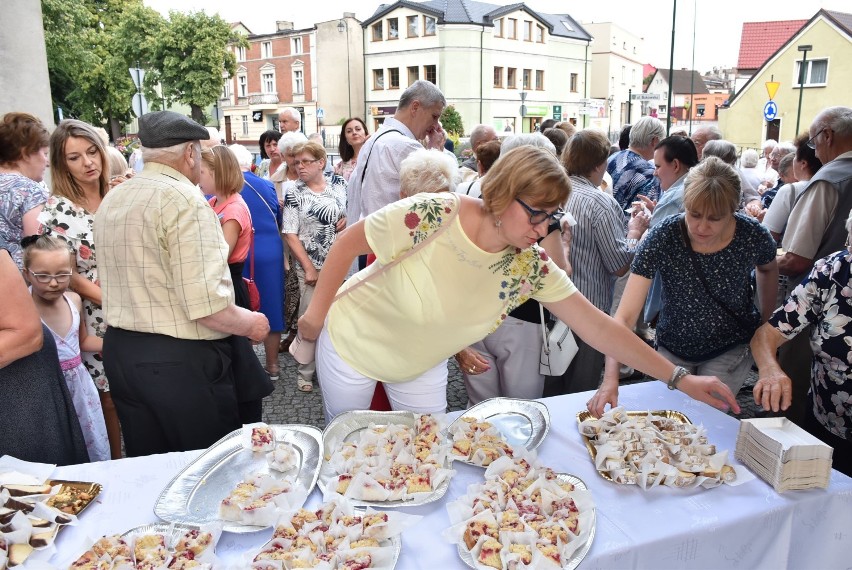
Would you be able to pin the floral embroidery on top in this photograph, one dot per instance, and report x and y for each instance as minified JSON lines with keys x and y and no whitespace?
{"x":524,"y":270}
{"x":425,"y":217}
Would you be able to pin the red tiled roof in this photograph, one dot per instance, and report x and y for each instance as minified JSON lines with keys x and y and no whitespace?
{"x":762,"y":39}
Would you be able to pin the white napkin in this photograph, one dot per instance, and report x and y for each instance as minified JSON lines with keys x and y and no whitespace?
{"x":14,"y":471}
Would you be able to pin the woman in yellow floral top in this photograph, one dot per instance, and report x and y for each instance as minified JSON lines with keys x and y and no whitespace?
{"x":454,"y":290}
{"x":80,"y":178}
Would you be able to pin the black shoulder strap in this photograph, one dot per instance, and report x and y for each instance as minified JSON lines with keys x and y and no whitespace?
{"x":698,"y":271}
{"x":372,"y":146}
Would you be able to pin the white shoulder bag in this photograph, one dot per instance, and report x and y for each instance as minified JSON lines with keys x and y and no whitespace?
{"x":558,"y":347}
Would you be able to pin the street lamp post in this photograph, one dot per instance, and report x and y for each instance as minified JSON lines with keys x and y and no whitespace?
{"x":804,"y":49}
{"x":609,"y":100}
{"x":341,"y":27}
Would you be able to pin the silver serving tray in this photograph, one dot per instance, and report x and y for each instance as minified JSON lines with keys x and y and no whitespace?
{"x":347,"y":427}
{"x":395,"y":542}
{"x":579,"y":554}
{"x":194,"y":495}
{"x":523,"y":423}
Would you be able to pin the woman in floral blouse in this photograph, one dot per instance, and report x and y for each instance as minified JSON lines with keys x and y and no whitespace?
{"x":80,"y":177}
{"x":822,"y":299}
{"x":454,"y":289}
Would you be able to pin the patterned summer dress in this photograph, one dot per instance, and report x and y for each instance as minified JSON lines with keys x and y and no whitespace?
{"x":73,"y":224}
{"x":85,"y":397}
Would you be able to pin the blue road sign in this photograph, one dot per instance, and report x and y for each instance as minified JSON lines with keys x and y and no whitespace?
{"x":770,"y":110}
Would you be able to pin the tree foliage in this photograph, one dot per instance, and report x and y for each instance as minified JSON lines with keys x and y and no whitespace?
{"x":452,"y":122}
{"x":92,"y":44}
{"x":190,"y":57}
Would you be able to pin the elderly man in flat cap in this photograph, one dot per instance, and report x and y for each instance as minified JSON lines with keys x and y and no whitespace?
{"x":175,"y":344}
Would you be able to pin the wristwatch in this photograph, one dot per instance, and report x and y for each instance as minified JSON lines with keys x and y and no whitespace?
{"x":679,"y":372}
{"x":631,"y":243}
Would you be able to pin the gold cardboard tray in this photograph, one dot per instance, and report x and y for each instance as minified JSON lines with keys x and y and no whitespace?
{"x":587,"y":415}
{"x":92,"y":490}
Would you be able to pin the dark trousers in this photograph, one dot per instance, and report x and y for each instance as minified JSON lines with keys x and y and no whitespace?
{"x":584,"y":372}
{"x":171,"y":394}
{"x":795,"y":357}
{"x":841,"y":458}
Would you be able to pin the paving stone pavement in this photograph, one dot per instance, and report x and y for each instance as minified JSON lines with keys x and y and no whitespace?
{"x":287,"y":405}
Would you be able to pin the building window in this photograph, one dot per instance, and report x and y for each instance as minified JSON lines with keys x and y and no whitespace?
{"x":663,"y":109}
{"x":245,"y":125}
{"x":527,"y":79}
{"x":623,"y":75}
{"x":539,"y":79}
{"x":429,"y":24}
{"x":430,"y":73}
{"x":378,"y":35}
{"x":241,"y":53}
{"x":498,"y":77}
{"x":378,"y":79}
{"x":527,"y":31}
{"x":512,"y":29}
{"x":267,"y":82}
{"x":226,"y":89}
{"x":413,"y":26}
{"x":510,"y":77}
{"x":413,"y":74}
{"x":498,"y":28}
{"x":242,"y":86}
{"x":297,"y":45}
{"x":700,"y":109}
{"x":539,"y":34}
{"x":393,"y":77}
{"x":266,"y":49}
{"x":574,"y":81}
{"x":393,"y":28}
{"x":298,"y":82}
{"x":816,"y":72}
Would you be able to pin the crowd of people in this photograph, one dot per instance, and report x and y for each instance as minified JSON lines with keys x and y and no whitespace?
{"x":676,"y":257}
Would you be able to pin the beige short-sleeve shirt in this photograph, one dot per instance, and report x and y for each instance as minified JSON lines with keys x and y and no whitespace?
{"x":162,"y":256}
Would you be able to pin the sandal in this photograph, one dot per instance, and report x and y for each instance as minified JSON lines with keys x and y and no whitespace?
{"x":304,"y":385}
{"x":273,"y":371}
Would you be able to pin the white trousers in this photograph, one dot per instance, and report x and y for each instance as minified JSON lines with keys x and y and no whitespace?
{"x":345,"y":389}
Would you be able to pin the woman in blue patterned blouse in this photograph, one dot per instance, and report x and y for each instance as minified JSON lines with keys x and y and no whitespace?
{"x":822,"y":299}
{"x":705,"y":259}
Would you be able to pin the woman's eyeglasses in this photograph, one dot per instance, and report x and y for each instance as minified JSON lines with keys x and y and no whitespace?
{"x":45,"y":278}
{"x":538,"y":216}
{"x":305,"y":162}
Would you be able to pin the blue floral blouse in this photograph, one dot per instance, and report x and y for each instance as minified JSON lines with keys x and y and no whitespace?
{"x":824,"y":299}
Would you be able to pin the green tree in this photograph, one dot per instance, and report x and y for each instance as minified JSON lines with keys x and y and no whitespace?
{"x":191,"y":54}
{"x":452,"y":121}
{"x":90,"y":47}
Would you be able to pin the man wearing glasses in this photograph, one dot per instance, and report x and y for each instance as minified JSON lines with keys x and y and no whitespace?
{"x":816,"y":229}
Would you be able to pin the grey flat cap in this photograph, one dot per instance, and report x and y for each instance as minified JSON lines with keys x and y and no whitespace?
{"x":167,"y":128}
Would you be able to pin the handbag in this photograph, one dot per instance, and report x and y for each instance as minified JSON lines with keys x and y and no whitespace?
{"x":304,"y":351}
{"x":251,"y":286}
{"x":558,"y":348}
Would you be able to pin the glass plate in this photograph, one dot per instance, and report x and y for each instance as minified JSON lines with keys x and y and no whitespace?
{"x":347,"y":427}
{"x":522,"y":423}
{"x":194,"y":495}
{"x":579,"y":554}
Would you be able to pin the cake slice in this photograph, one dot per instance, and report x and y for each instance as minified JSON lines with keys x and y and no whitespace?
{"x":489,"y":554}
{"x":262,"y":439}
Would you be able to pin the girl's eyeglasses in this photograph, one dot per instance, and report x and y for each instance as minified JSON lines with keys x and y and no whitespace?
{"x":45,"y":278}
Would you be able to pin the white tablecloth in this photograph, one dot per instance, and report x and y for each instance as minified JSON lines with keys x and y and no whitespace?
{"x":748,"y":526}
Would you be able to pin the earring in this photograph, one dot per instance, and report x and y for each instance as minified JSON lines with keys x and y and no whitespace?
{"x":497,"y":222}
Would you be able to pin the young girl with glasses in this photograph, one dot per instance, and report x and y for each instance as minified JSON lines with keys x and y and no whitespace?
{"x":47,"y":268}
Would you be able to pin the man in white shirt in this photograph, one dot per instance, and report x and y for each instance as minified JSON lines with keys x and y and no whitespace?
{"x":375,"y":181}
{"x":289,"y":120}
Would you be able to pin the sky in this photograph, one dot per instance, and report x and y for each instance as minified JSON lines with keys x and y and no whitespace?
{"x":718,"y":23}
